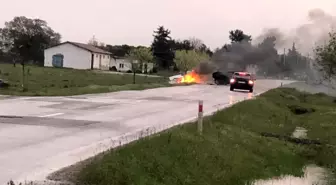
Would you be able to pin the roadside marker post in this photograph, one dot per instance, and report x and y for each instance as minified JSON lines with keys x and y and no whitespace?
{"x":200,"y":116}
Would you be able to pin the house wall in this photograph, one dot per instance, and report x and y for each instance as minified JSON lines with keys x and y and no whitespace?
{"x":74,"y":57}
{"x":123,"y":65}
{"x":101,"y":61}
{"x":150,"y":67}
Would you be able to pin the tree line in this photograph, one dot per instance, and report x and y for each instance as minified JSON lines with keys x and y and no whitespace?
{"x":167,"y":53}
{"x":23,"y":40}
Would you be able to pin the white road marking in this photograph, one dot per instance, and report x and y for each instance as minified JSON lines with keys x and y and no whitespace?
{"x":51,"y":115}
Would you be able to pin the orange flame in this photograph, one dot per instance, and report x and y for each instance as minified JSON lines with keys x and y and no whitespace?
{"x":191,"y":77}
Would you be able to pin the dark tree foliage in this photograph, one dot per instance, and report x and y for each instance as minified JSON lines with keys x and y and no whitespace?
{"x":162,"y":48}
{"x":25,"y":39}
{"x":119,"y":50}
{"x":239,"y":36}
{"x":181,"y":45}
{"x":326,"y":57}
{"x":187,"y":45}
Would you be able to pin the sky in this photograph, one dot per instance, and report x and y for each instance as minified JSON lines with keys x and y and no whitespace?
{"x":133,"y":21}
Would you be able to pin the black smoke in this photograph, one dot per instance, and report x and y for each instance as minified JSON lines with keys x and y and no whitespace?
{"x":306,"y":35}
{"x":266,"y":51}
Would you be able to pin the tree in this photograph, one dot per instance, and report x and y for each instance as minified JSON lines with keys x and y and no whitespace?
{"x":196,"y":43}
{"x":140,"y":57}
{"x":205,"y":49}
{"x":119,"y":50}
{"x":239,"y":36}
{"x":268,"y":62}
{"x":187,"y":60}
{"x":191,"y":44}
{"x":27,"y":38}
{"x":143,"y":56}
{"x":326,"y":57}
{"x":162,"y":48}
{"x":181,"y":45}
{"x":93,"y":41}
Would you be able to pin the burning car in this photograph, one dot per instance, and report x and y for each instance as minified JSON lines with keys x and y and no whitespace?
{"x":191,"y":77}
{"x":220,"y":78}
{"x":242,"y":80}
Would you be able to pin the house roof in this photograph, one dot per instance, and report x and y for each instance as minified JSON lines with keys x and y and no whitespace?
{"x":119,"y":57}
{"x":87,"y":47}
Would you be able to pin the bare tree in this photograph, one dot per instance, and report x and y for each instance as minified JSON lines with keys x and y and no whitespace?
{"x":196,"y":43}
{"x":93,"y":41}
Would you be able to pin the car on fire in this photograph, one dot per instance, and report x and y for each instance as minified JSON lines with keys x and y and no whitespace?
{"x":242,"y":80}
{"x":220,"y":78}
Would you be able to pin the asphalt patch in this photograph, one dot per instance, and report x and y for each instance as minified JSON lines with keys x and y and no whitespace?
{"x":78,"y":105}
{"x":52,"y":122}
{"x":158,"y":98}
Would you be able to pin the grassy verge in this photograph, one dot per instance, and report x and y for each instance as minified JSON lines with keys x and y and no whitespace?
{"x":231,"y":150}
{"x":51,"y":81}
{"x":166,"y":73}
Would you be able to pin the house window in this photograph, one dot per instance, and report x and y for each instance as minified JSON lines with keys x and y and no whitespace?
{"x":103,"y":56}
{"x":96,"y":55}
{"x":121,"y":65}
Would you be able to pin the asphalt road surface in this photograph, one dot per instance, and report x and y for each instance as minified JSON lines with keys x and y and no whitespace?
{"x":39,"y":135}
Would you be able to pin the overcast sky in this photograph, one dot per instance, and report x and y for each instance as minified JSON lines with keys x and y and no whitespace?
{"x":133,"y":21}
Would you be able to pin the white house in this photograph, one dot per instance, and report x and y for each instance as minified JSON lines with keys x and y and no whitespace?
{"x":123,"y":64}
{"x":77,"y":55}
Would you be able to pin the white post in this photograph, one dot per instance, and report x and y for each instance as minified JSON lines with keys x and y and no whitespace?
{"x":200,"y":116}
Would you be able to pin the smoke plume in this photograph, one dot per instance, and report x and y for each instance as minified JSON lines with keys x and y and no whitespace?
{"x":306,"y":36}
{"x":265,"y":49}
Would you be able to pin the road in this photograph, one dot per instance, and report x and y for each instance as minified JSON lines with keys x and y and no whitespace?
{"x":39,"y":135}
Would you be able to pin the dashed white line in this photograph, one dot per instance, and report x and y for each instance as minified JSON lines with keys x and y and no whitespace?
{"x":51,"y":115}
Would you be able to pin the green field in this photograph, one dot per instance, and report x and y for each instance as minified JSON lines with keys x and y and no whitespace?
{"x":231,"y":150}
{"x":40,"y":81}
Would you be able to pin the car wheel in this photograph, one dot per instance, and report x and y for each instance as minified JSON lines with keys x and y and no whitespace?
{"x":216,"y":82}
{"x":251,"y":90}
{"x":231,"y":88}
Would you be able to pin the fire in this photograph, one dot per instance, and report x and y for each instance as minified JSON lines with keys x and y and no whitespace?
{"x":191,"y":77}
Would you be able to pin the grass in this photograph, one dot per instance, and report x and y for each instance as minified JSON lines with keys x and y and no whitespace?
{"x":231,"y":150}
{"x":42,"y":81}
{"x":166,"y":73}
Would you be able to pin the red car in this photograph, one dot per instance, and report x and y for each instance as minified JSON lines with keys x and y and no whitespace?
{"x":242,"y":80}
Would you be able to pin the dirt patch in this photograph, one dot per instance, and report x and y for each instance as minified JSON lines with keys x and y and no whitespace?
{"x":312,"y":175}
{"x":298,"y":110}
{"x":292,"y":139}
